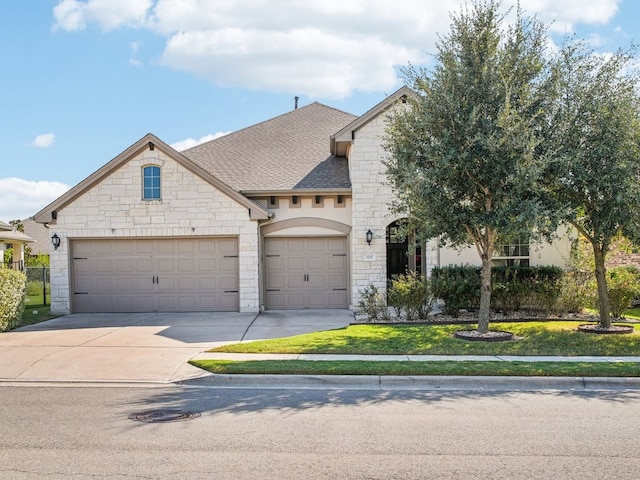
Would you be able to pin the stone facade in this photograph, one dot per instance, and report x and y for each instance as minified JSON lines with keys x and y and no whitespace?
{"x":195,"y":203}
{"x":189,"y":207}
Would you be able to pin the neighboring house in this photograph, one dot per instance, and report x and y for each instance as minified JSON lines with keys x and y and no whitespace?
{"x":16,"y":241}
{"x":40,"y":235}
{"x":274,"y":216}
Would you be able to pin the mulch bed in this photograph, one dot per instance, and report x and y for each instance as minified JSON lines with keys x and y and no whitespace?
{"x":468,"y":318}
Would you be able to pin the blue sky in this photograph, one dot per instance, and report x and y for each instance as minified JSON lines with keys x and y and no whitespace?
{"x":83,"y":79}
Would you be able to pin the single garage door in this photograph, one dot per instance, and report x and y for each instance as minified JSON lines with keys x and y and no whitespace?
{"x":155,"y":275}
{"x":306,"y":273}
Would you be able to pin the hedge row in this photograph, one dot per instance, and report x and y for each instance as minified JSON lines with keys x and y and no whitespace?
{"x":12,"y":288}
{"x":512,"y":288}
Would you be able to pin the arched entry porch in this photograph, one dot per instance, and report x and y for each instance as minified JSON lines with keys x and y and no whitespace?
{"x":404,"y":254}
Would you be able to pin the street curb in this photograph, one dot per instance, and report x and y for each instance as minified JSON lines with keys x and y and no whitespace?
{"x":426,"y":383}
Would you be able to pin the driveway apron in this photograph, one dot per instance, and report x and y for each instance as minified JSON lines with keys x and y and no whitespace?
{"x":140,"y":347}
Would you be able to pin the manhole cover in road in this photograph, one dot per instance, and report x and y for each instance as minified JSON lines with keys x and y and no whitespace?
{"x":158,"y":416}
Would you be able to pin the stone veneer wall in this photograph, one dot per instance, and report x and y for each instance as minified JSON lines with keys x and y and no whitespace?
{"x":189,"y":207}
{"x":370,"y":210}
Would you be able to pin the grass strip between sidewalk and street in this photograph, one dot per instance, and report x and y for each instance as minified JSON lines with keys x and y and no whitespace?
{"x":407,"y":368}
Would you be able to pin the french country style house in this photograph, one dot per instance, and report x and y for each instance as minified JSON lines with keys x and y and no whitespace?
{"x":291,"y":213}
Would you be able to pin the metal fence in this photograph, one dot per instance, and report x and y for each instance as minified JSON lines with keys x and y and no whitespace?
{"x":38,"y":289}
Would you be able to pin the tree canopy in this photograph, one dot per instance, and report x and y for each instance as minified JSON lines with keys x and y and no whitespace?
{"x":593,"y":178}
{"x":464,"y":159}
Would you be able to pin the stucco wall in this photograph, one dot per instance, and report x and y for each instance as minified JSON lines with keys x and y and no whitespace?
{"x":189,"y":207}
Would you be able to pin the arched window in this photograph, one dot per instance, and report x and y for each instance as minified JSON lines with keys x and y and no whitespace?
{"x":151,"y":183}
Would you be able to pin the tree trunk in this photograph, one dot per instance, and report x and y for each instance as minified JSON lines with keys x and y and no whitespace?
{"x":484,"y":314}
{"x":603,"y":293}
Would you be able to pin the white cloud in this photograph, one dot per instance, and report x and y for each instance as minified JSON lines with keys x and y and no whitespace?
{"x":135,"y":46}
{"x":44,"y":140}
{"x":317,"y":48}
{"x":73,"y":15}
{"x":20,"y":199}
{"x":182,"y":145}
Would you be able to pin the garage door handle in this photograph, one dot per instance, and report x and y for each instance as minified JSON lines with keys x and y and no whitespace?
{"x":339,"y":289}
{"x":273,"y":289}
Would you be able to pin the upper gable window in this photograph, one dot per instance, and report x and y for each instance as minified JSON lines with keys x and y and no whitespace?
{"x":151,"y":182}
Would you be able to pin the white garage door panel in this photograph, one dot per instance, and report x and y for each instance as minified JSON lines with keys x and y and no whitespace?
{"x":306,"y":273}
{"x":145,"y":275}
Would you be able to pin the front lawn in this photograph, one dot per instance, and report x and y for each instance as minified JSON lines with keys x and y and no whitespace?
{"x":557,"y":338}
{"x":532,"y":338}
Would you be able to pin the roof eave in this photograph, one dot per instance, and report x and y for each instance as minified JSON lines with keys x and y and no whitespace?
{"x":296,"y":191}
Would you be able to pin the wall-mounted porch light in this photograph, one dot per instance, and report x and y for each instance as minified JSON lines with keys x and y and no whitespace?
{"x":369,"y":236}
{"x":55,"y":241}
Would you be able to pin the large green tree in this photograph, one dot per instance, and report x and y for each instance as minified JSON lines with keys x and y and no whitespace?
{"x":594,"y":140}
{"x":464,"y":161}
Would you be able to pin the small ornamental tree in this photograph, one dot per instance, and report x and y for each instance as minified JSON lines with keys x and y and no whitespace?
{"x":594,"y":140}
{"x":463,"y":160}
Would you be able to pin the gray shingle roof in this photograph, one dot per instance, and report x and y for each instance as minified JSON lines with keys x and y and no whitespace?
{"x":40,"y":234}
{"x":288,"y":152}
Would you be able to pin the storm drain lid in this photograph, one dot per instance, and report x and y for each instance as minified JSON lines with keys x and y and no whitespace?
{"x":159,"y":416}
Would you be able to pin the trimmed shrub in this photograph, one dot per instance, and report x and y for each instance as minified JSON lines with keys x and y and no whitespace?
{"x":12,"y":293}
{"x":533,"y":288}
{"x":577,"y":292}
{"x":410,"y":295}
{"x":372,"y":303}
{"x":624,"y":285}
{"x":513,"y":288}
{"x":458,"y":286}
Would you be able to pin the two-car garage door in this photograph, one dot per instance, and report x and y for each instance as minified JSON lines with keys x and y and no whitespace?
{"x":147,"y":275}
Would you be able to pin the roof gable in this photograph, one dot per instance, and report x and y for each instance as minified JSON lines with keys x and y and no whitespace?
{"x":285,"y":153}
{"x":48,"y":213}
{"x":346,"y":134}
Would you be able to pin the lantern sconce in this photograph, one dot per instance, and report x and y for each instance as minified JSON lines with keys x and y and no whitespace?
{"x":369,"y":236}
{"x":55,"y":240}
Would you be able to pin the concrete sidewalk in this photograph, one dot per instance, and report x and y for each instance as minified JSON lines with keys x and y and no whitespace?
{"x":407,"y":358}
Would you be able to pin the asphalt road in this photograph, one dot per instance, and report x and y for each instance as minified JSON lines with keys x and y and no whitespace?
{"x":71,"y":432}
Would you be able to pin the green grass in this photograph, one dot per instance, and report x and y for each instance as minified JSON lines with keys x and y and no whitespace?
{"x":466,"y":368}
{"x":633,"y":314}
{"x":33,"y":315}
{"x":532,"y":338}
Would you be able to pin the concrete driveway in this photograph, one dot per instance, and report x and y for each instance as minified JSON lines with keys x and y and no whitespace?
{"x":141,"y":347}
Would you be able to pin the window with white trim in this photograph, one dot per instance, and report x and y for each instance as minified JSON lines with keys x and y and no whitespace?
{"x":151,"y":182}
{"x":512,"y":252}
